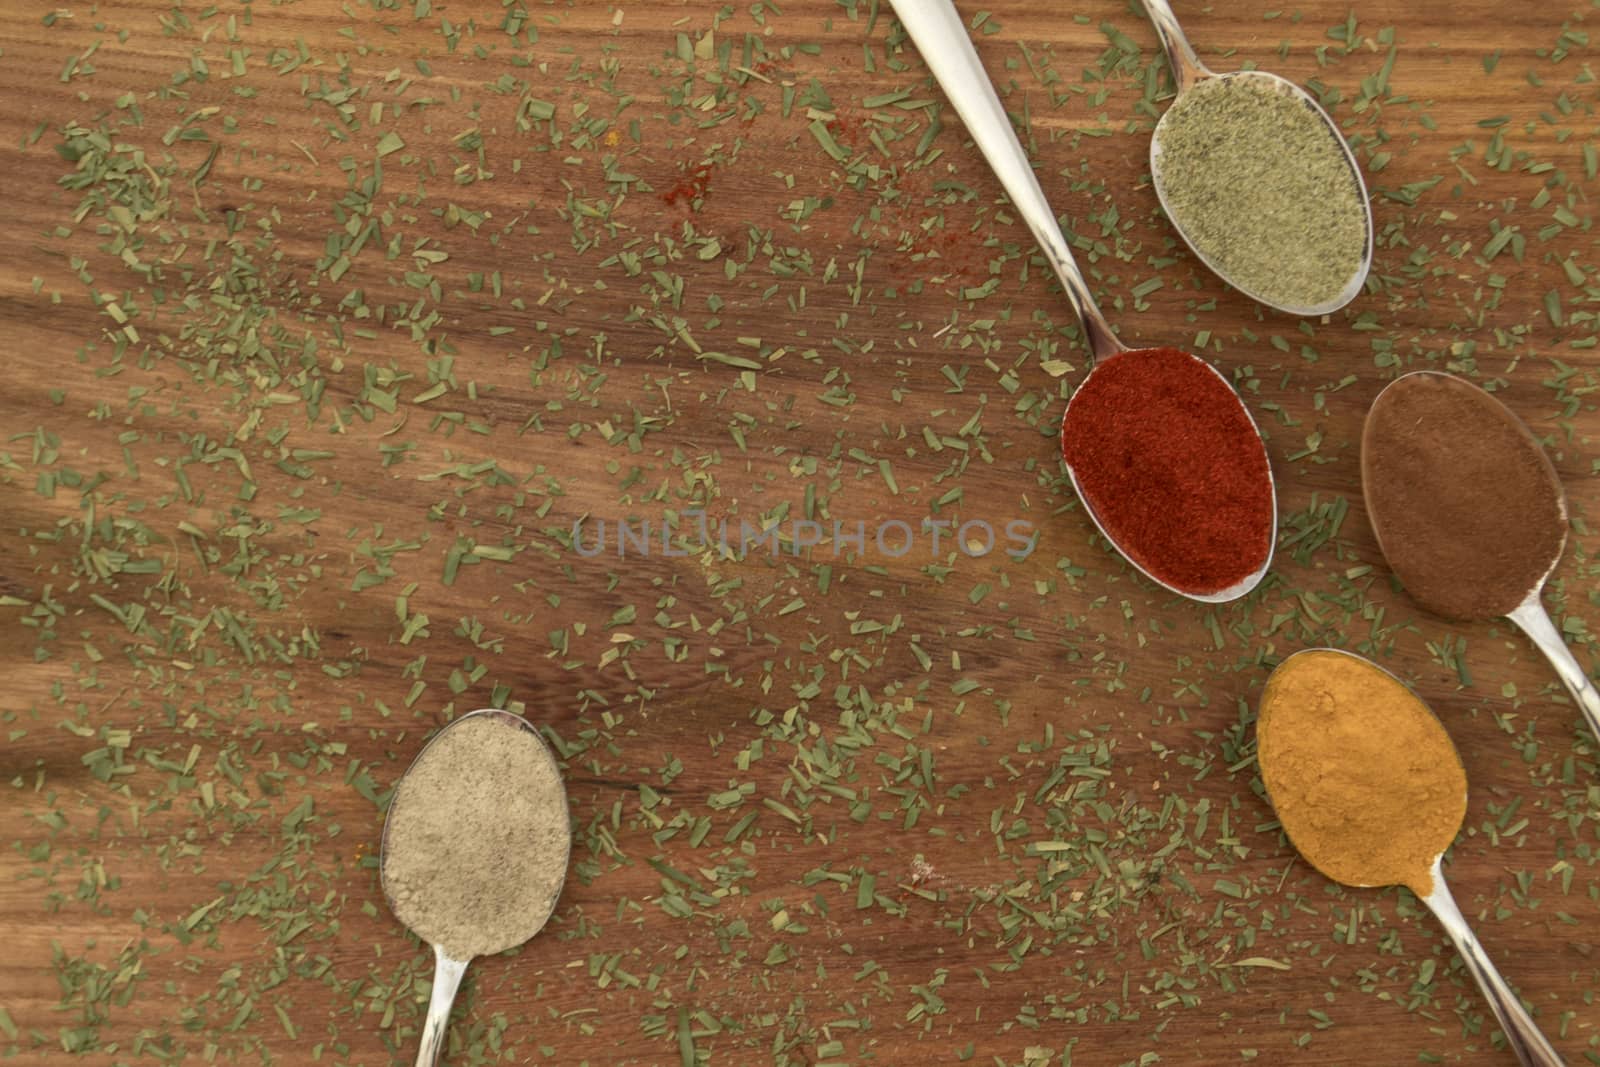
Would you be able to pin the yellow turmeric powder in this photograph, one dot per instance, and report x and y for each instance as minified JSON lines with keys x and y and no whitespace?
{"x":1364,"y":778}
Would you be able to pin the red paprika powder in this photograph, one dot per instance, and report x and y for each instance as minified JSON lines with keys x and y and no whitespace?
{"x":1167,"y":459}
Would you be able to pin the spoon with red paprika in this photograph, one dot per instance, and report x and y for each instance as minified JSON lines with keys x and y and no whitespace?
{"x":1158,"y":446}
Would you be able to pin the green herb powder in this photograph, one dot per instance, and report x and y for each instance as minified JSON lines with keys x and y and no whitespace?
{"x":476,"y":846}
{"x":1259,"y":186}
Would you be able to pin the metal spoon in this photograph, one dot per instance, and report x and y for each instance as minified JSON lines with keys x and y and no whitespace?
{"x":1527,"y":1041}
{"x":936,"y":28}
{"x":1522,"y":1033}
{"x":447,"y":970}
{"x":1535,"y":622}
{"x":1188,"y":72}
{"x":1529,"y":614}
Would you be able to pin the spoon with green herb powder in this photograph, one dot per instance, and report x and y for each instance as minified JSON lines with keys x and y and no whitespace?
{"x":1468,"y":511}
{"x":1259,"y":182}
{"x":475,"y":849}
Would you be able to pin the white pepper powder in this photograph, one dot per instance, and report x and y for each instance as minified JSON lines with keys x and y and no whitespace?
{"x":475,"y":849}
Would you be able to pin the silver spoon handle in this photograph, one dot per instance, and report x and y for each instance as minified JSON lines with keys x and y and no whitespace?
{"x":447,"y":975}
{"x":1522,"y":1033}
{"x":1535,"y":622}
{"x":941,"y":37}
{"x":1186,"y":66}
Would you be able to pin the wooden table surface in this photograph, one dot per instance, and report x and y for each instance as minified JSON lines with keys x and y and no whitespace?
{"x":326,"y":322}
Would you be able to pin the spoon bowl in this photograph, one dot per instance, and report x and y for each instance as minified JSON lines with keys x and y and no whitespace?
{"x":1188,"y":73}
{"x":1234,"y":589}
{"x":940,"y":35}
{"x":450,"y":966}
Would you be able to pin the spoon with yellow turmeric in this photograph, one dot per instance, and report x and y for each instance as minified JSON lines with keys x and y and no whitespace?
{"x":1371,"y":791}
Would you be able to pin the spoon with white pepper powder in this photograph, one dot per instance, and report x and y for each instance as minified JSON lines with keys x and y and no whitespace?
{"x":475,"y":849}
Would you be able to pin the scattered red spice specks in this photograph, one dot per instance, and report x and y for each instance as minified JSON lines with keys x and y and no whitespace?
{"x":848,"y":128}
{"x":957,"y":254}
{"x":690,"y":187}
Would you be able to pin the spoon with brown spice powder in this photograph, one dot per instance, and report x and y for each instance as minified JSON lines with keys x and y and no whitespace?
{"x":1370,"y":790}
{"x":1468,"y":510}
{"x":1258,"y":180}
{"x":475,"y":849}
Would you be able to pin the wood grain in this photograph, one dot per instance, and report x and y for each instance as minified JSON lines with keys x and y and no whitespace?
{"x":835,"y":807}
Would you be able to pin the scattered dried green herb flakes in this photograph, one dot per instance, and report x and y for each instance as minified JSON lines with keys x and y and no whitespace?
{"x":370,"y":317}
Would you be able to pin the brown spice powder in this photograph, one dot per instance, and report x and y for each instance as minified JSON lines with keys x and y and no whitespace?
{"x":1464,"y":502}
{"x":1363,"y":777}
{"x":476,"y":845}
